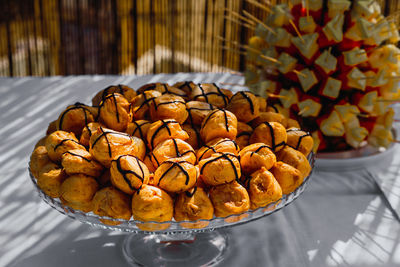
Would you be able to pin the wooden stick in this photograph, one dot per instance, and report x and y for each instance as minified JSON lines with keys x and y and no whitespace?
{"x":249,"y":26}
{"x":250,"y":16}
{"x":305,"y":109}
{"x":364,"y":115}
{"x":299,"y":73}
{"x":365,"y":78}
{"x":278,"y":96}
{"x":234,"y":50}
{"x":235,"y":14}
{"x":308,"y":10}
{"x":270,"y":59}
{"x":257,"y":4}
{"x":297,"y":30}
{"x":336,"y":127}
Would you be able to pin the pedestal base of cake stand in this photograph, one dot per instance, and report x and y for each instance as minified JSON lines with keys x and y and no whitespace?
{"x":182,"y":249}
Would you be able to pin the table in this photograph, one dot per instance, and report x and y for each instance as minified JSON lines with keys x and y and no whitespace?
{"x":344,"y":218}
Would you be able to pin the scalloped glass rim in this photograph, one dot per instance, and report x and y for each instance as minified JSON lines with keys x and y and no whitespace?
{"x":174,"y":226}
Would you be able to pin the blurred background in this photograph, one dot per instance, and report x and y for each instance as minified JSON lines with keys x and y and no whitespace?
{"x":66,"y":37}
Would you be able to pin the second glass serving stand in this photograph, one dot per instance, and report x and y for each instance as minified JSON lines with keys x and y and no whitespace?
{"x":172,"y":243}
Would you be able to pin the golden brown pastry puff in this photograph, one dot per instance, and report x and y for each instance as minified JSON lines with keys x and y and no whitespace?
{"x":77,"y":192}
{"x":262,"y":102}
{"x":41,"y":142}
{"x":244,"y":105}
{"x":163,"y":88}
{"x":269,"y":116}
{"x":197,"y":111}
{"x":291,"y":123}
{"x":300,"y":140}
{"x":173,"y":148}
{"x":39,"y":158}
{"x":263,"y":188}
{"x":169,"y":107}
{"x":288,"y":177}
{"x":87,"y":132}
{"x":212,"y":94}
{"x":194,"y":135}
{"x":256,"y":156}
{"x":138,"y":128}
{"x":74,"y":118}
{"x":175,"y":176}
{"x":121,"y":89}
{"x":296,"y":159}
{"x":164,"y":129}
{"x":81,"y":161}
{"x":60,"y":142}
{"x":244,"y":132}
{"x":114,"y":112}
{"x":219,"y":123}
{"x":273,"y":134}
{"x":149,"y":163}
{"x":52,"y":127}
{"x":151,"y":203}
{"x":193,"y":205}
{"x":140,"y":105}
{"x":106,"y":144}
{"x":151,"y":86}
{"x":50,"y":179}
{"x":186,"y":86}
{"x":128,"y":173}
{"x":218,"y":145}
{"x":220,"y":168}
{"x":109,"y":202}
{"x":105,"y":178}
{"x":228,"y":199}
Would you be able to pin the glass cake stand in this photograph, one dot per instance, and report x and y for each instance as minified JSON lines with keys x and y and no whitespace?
{"x":200,"y":243}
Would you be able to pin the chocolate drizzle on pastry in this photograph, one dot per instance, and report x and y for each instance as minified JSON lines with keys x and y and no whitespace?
{"x":248,"y":100}
{"x":63,"y":141}
{"x":259,"y":149}
{"x":225,"y":117}
{"x":124,"y":173}
{"x":196,"y":108}
{"x":224,"y":156}
{"x":243,"y":133}
{"x":139,"y":128}
{"x":205,"y":95}
{"x":168,"y":102}
{"x":185,"y":84}
{"x":271,"y":130}
{"x":175,"y":164}
{"x":146,"y":101}
{"x":163,"y":126}
{"x":300,"y":137}
{"x":105,"y":133}
{"x":103,"y":102}
{"x":77,"y":105}
{"x":213,"y":146}
{"x":191,"y":194}
{"x":77,"y":155}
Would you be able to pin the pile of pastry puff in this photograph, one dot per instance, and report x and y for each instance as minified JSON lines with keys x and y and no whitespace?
{"x":335,"y":65}
{"x":188,"y":151}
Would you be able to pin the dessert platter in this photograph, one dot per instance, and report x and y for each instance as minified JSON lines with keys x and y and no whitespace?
{"x":334,"y":67}
{"x":171,"y":164}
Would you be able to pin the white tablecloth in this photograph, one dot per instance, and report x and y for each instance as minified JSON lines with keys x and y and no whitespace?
{"x":344,"y":218}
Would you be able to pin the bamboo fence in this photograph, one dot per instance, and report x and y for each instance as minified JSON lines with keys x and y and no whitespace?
{"x":67,"y":37}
